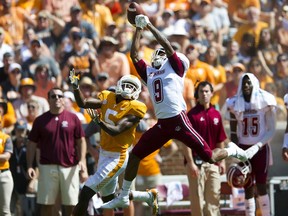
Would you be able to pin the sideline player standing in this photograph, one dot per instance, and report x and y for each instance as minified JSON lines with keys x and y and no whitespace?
{"x":165,"y":81}
{"x":252,"y":126}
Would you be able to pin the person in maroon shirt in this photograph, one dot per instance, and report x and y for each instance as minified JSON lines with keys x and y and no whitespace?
{"x":204,"y":178}
{"x":59,"y":136}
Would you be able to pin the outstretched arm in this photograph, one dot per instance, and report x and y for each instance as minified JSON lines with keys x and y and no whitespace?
{"x":162,"y":40}
{"x":135,"y":45}
{"x":80,"y":100}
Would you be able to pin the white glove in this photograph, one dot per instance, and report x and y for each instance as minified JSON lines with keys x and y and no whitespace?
{"x":74,"y":79}
{"x":250,"y":152}
{"x":95,"y":116}
{"x":141,"y":21}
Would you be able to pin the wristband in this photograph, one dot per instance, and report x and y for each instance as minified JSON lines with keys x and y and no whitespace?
{"x":259,"y":144}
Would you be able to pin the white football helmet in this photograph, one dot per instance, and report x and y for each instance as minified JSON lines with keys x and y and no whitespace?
{"x":158,"y":57}
{"x":239,"y":175}
{"x":129,"y":87}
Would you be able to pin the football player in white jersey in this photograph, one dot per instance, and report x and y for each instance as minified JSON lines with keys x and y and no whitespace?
{"x":252,"y":126}
{"x":165,"y":81}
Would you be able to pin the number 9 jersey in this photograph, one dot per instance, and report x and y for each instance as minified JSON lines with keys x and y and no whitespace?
{"x":166,"y":88}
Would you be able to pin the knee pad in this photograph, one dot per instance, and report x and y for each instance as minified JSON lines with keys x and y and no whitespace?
{"x":108,"y":198}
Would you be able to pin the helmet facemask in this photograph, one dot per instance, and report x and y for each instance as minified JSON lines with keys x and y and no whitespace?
{"x":158,"y":57}
{"x":129,"y":87}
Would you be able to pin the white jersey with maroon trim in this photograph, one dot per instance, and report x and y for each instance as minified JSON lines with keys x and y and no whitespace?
{"x":166,"y":87}
{"x":253,"y":126}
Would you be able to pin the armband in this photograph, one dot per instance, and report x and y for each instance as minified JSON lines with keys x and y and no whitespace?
{"x":233,"y":132}
{"x":285,"y":141}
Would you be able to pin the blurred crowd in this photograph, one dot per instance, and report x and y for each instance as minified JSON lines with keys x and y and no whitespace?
{"x":41,"y":41}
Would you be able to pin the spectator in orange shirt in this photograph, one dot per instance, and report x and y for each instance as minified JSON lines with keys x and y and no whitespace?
{"x":31,"y":6}
{"x":198,"y":70}
{"x":253,"y":25}
{"x":111,"y":60}
{"x":237,"y":10}
{"x":13,"y":19}
{"x":213,"y":59}
{"x":97,"y":14}
{"x":9,"y":117}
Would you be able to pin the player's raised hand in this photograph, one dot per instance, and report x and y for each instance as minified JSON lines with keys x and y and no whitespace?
{"x":141,"y":21}
{"x":74,"y":79}
{"x":95,"y":116}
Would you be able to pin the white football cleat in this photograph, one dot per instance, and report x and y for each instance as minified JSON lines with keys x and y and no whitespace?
{"x":117,"y":202}
{"x":239,"y":153}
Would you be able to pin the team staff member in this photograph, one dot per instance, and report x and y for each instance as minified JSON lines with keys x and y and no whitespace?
{"x":204,"y":178}
{"x":59,"y":136}
{"x":6,"y":180}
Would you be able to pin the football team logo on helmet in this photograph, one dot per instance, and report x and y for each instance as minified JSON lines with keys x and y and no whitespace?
{"x":239,"y":175}
{"x":129,"y":87}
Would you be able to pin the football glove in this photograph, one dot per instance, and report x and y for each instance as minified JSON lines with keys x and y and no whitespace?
{"x":95,"y":116}
{"x":141,"y":21}
{"x":74,"y":79}
{"x":250,"y":152}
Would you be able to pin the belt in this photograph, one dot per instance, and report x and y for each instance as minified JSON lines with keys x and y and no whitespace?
{"x":4,"y":170}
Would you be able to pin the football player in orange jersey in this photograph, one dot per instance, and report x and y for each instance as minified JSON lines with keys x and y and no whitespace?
{"x":119,"y":114}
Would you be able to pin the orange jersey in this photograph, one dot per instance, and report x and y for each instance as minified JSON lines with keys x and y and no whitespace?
{"x":32,"y":6}
{"x":100,"y":17}
{"x":3,"y":139}
{"x":14,"y":23}
{"x":200,"y":72}
{"x":176,"y":5}
{"x":111,"y":113}
{"x":10,"y":117}
{"x":247,"y":28}
{"x":219,"y":74}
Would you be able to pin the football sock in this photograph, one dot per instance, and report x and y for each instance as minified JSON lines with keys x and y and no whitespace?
{"x":250,"y":207}
{"x":264,"y":205}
